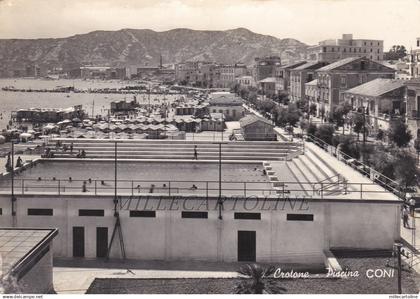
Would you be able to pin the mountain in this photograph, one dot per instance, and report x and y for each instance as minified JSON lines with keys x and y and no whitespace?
{"x":144,"y":47}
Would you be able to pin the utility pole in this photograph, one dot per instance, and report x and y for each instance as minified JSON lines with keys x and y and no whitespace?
{"x":13,"y":199}
{"x":117,"y":227}
{"x":398,"y":249}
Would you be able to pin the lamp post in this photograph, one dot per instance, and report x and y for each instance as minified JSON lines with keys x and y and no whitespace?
{"x":398,"y":247}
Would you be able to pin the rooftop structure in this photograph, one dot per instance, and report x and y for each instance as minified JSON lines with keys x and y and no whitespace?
{"x":26,"y":260}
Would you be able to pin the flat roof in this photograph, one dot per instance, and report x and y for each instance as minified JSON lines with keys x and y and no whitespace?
{"x":18,"y":246}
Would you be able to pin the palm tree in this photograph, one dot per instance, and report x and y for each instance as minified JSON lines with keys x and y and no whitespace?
{"x":255,"y":279}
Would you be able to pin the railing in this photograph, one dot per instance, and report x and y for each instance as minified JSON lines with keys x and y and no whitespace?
{"x":196,"y":188}
{"x":386,"y":182}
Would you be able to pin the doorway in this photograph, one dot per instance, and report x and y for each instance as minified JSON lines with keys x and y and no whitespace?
{"x":247,"y":246}
{"x":78,"y":241}
{"x":101,"y":241}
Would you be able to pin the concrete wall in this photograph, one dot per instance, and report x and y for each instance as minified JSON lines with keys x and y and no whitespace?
{"x":39,"y":280}
{"x":344,"y":224}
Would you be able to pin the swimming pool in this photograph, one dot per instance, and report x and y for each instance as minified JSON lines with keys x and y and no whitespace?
{"x":136,"y":177}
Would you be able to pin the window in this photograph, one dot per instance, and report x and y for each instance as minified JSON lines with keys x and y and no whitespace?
{"x":324,"y":49}
{"x":300,"y":217}
{"x":343,"y":81}
{"x":97,"y":213}
{"x":248,"y":216}
{"x":40,"y":212}
{"x":201,"y":215}
{"x":143,"y":214}
{"x":1,"y":211}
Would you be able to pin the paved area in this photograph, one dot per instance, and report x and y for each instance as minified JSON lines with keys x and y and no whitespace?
{"x":75,"y":276}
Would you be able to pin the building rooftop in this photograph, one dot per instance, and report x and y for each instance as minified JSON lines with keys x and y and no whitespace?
{"x":309,"y":66}
{"x":252,"y":118}
{"x":230,"y":99}
{"x":268,"y":80}
{"x":293,"y":65}
{"x":339,"y":63}
{"x":376,"y":87}
{"x":19,"y":245}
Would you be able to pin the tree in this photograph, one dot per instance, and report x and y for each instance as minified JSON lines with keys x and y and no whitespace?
{"x":358,"y":123}
{"x":396,"y":52}
{"x":287,"y":116}
{"x":382,"y":162}
{"x":311,"y":130}
{"x":347,"y":145}
{"x":339,"y":113}
{"x":325,"y":133}
{"x":256,"y":280}
{"x":399,"y":134}
{"x":405,"y":169}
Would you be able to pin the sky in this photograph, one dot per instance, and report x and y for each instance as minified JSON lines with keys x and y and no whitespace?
{"x":310,"y":21}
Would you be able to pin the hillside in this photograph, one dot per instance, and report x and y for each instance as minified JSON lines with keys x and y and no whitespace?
{"x":144,"y":47}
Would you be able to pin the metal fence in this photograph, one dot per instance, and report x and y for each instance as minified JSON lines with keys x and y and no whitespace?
{"x":333,"y":187}
{"x":377,"y":177}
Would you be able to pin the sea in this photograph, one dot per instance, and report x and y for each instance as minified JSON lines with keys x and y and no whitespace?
{"x":96,"y":103}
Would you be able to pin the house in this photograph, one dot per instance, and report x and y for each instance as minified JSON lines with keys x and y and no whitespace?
{"x":282,"y":74}
{"x":268,"y":86}
{"x":312,"y":97}
{"x":227,"y":103}
{"x":264,"y":67}
{"x":301,"y":75}
{"x":382,"y":101}
{"x":225,"y":74}
{"x":334,"y":50}
{"x":413,"y":107}
{"x":215,"y":122}
{"x":246,"y":81}
{"x":344,"y":74}
{"x":255,"y":128}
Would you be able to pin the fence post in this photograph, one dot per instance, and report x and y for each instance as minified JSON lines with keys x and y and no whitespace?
{"x":361,"y":189}
{"x":132,"y":188}
{"x":59,"y":187}
{"x":96,"y":188}
{"x":245,"y":189}
{"x":23,"y":186}
{"x":207,"y":189}
{"x":322,"y":190}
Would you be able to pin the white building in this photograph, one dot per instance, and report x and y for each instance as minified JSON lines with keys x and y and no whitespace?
{"x":282,"y":222}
